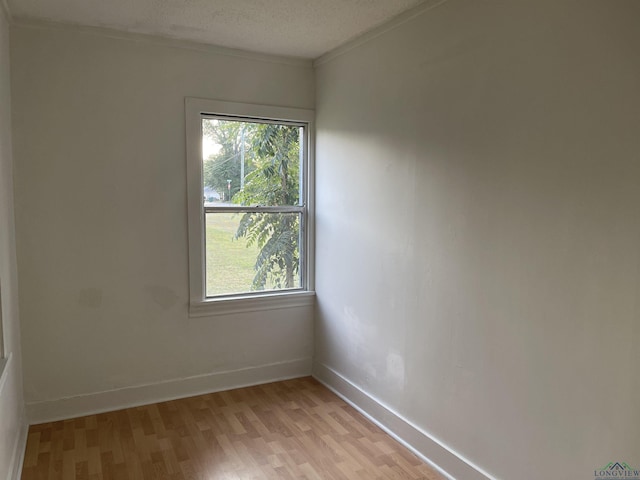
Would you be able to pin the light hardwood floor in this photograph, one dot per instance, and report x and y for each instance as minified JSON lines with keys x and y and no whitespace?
{"x":284,"y":430}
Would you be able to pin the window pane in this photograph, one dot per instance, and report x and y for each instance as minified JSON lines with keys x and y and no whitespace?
{"x":246,"y":163}
{"x":248,"y":252}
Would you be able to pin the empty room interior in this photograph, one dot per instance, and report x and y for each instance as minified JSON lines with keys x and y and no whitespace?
{"x":330,"y":239}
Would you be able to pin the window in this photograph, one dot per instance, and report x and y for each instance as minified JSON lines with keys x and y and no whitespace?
{"x":249,"y":170}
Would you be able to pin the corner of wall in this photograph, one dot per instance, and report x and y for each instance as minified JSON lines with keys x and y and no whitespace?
{"x":5,"y":11}
{"x":443,"y":458}
{"x":13,"y":419}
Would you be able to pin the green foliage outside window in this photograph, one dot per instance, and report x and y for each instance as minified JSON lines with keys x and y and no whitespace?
{"x":259,"y":164}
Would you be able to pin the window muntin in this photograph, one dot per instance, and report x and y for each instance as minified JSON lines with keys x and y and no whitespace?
{"x":259,"y":210}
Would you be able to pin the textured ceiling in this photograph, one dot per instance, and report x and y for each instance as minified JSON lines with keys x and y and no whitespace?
{"x":301,"y":28}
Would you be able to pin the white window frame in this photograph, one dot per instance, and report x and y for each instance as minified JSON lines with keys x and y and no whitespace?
{"x":4,"y":358}
{"x":2,"y":348}
{"x":199,"y":305}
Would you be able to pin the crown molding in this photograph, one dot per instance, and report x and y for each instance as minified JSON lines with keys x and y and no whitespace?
{"x":368,"y":36}
{"x":28,"y":22}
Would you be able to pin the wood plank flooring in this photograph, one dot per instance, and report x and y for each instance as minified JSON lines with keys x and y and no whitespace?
{"x":296,"y":429}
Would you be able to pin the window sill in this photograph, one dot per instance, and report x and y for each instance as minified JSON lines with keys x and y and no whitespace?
{"x":255,"y":303}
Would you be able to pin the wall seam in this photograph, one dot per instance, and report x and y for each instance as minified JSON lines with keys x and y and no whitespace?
{"x":6,"y":11}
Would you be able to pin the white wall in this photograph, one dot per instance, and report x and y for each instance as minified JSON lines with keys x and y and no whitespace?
{"x":102,"y":225}
{"x":12,"y":419}
{"x":478,"y":235}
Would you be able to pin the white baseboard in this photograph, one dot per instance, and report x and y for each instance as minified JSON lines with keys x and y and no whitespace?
{"x":111,"y":400}
{"x":429,"y":449}
{"x":19,"y":449}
